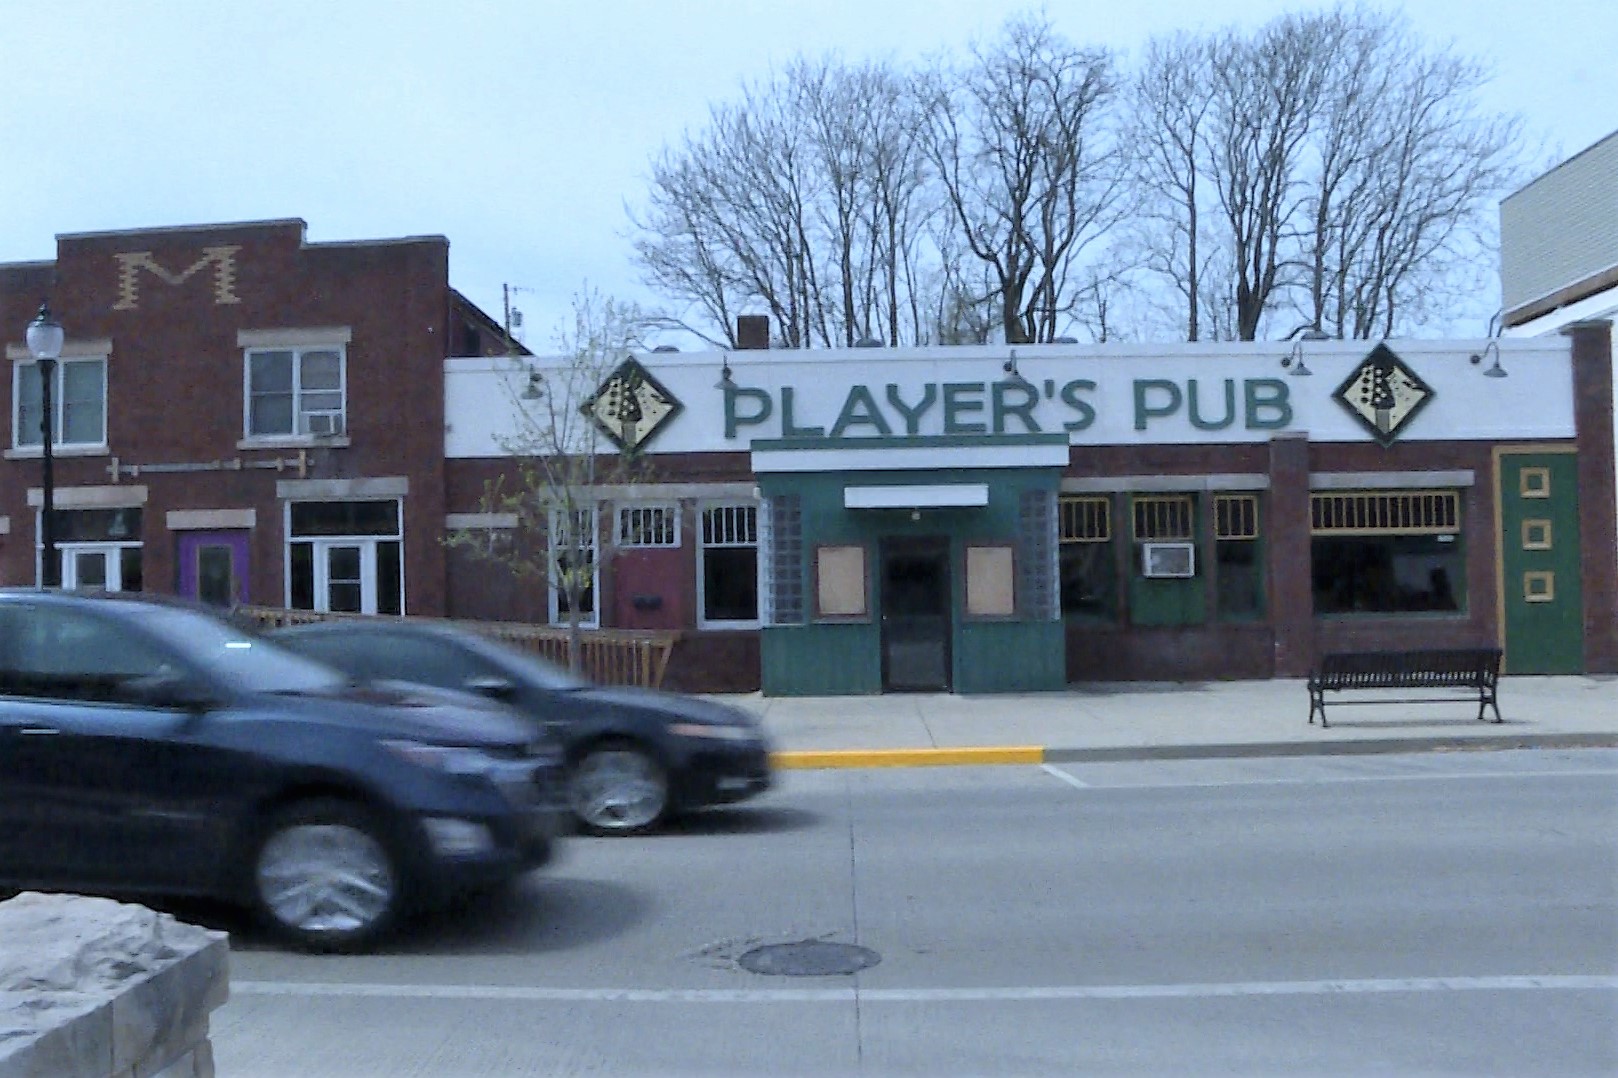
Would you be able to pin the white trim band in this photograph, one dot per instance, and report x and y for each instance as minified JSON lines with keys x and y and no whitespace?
{"x":207,"y":520}
{"x":312,"y":337}
{"x":338,"y":490}
{"x":920,"y":496}
{"x":119,"y":497}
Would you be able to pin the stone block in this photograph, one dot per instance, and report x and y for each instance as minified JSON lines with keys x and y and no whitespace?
{"x":91,"y":988}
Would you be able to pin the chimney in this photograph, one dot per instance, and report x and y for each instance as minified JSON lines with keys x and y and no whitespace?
{"x":753,"y":331}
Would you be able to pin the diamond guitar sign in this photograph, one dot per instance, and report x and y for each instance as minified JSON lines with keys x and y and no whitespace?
{"x":1384,"y":394}
{"x":631,"y":406}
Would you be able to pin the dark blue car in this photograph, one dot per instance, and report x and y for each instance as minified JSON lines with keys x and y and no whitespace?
{"x":634,"y":755}
{"x":149,"y":748}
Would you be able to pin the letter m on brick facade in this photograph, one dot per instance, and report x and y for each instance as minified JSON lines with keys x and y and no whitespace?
{"x":222,"y":259}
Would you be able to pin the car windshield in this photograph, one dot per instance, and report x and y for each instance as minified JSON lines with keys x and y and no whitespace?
{"x":526,"y":666}
{"x":244,"y":661}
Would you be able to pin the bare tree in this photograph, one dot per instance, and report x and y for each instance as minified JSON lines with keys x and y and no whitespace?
{"x":1168,"y":129}
{"x":1330,"y":169}
{"x":1262,"y":97}
{"x":1021,"y":138}
{"x":805,"y":196}
{"x":561,"y":459}
{"x":1410,"y":232}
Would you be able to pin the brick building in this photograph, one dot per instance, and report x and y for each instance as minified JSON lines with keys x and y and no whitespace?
{"x":241,"y":415}
{"x":990,"y":519}
{"x":244,"y":416}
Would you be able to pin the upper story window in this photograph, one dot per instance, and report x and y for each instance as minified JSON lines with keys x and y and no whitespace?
{"x":295,"y":392}
{"x":78,"y":403}
{"x":296,"y":382}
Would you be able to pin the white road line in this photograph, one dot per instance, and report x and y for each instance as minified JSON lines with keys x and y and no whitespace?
{"x":1329,"y":780}
{"x":1064,"y":776}
{"x":523,"y":994}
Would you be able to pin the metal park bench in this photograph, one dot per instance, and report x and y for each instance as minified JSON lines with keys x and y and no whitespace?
{"x":1474,"y":671}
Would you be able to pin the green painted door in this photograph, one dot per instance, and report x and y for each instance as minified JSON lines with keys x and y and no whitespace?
{"x":1542,"y":594}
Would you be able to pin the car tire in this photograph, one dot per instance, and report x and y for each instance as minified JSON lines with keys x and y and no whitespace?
{"x":325,"y":876}
{"x":618,"y":788}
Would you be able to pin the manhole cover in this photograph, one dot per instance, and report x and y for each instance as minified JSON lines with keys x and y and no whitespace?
{"x":808,"y":958}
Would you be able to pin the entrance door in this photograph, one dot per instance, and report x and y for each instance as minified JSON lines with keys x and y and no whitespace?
{"x":915,"y":605}
{"x":342,"y":579}
{"x":1540,"y":578}
{"x":213,"y":567}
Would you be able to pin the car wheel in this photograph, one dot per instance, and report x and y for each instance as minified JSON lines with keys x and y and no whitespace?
{"x":325,"y":877}
{"x":618,"y":789}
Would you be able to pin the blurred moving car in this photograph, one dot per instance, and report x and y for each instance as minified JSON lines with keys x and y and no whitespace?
{"x":634,"y":755}
{"x":149,"y":748}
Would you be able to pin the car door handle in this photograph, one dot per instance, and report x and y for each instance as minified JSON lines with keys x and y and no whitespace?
{"x":38,"y":731}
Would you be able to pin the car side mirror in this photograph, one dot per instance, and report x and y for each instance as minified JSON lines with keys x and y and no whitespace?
{"x":493,"y":687}
{"x":170,"y":690}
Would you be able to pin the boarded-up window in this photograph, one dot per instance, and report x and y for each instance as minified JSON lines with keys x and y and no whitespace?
{"x":840,"y":582}
{"x":991,"y":589}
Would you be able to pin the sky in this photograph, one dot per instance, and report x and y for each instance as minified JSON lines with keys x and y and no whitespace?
{"x":523,"y":130}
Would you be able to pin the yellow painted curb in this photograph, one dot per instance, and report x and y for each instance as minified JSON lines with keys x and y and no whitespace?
{"x":1012,"y":754}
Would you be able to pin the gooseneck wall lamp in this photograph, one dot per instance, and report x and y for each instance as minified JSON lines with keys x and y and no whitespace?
{"x":45,"y":339}
{"x":1494,"y":369}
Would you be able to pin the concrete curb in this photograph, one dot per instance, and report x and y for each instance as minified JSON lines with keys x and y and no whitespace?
{"x":1363,"y":747}
{"x":952,"y":757}
{"x":1035,"y":754}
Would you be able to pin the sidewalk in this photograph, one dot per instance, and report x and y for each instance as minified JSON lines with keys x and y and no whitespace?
{"x":1135,"y":721}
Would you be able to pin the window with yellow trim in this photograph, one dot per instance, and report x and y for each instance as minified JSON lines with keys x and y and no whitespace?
{"x":1239,"y":568}
{"x":1086,"y":559}
{"x":1387,"y":552}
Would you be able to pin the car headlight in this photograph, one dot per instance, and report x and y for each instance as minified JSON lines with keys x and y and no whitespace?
{"x":450,"y":759}
{"x":713,"y":732}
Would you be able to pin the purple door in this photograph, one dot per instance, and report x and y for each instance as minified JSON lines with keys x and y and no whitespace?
{"x":213,"y":567}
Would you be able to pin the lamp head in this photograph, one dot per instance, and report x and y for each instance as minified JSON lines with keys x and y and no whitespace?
{"x":45,"y":335}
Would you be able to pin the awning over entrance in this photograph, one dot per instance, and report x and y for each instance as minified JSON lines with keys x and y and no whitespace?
{"x":917,"y":496}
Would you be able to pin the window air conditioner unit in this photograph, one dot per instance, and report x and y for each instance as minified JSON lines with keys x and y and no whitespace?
{"x":323,"y":424}
{"x":1168,"y":559}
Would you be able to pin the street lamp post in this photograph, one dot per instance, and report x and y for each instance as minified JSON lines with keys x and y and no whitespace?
{"x":45,"y":345}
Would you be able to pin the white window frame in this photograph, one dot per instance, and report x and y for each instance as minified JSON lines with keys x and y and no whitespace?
{"x":592,"y":618}
{"x":112,"y":551}
{"x":625,"y":514}
{"x":298,"y":411}
{"x":703,"y":509}
{"x":58,"y":428}
{"x":320,"y":545}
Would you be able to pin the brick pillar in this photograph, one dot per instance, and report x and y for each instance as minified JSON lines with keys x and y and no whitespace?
{"x":1291,"y":591}
{"x":1598,"y":503}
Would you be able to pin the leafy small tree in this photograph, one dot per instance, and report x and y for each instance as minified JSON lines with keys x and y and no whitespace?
{"x":562,"y":461}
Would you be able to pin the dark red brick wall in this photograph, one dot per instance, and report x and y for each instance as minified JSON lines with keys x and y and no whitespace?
{"x":1182,"y":653}
{"x":175,"y":379}
{"x":1598,"y":513}
{"x":664,"y":577}
{"x":715,"y":662}
{"x":1287,"y":645}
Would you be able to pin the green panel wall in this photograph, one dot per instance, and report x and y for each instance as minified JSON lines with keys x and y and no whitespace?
{"x":821,"y":660}
{"x":1541,"y":637}
{"x":1018,"y":656}
{"x":843,"y":658}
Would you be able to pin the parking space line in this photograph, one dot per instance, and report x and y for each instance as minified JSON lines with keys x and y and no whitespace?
{"x":1064,"y":776}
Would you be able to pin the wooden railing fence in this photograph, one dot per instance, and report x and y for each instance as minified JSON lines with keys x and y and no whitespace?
{"x":607,"y":656}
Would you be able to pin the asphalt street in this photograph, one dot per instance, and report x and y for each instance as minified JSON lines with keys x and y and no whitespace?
{"x":1440,"y":913}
